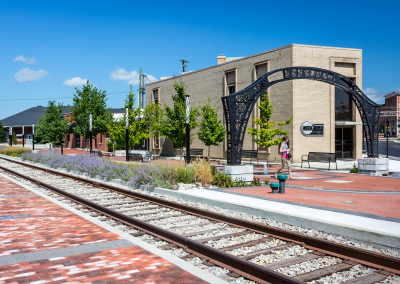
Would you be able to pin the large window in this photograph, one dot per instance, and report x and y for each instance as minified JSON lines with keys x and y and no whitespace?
{"x":343,"y":105}
{"x":231,"y":82}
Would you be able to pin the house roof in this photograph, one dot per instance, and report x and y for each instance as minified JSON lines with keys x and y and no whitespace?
{"x":32,"y":115}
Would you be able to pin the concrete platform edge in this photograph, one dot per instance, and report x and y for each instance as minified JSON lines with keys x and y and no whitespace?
{"x":204,"y":275}
{"x":355,"y":234}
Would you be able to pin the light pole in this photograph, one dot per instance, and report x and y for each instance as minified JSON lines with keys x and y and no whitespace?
{"x":10,"y":135}
{"x":90,"y":132}
{"x":23,"y":136}
{"x":33,"y":136}
{"x":387,"y":137}
{"x":187,"y":130}
{"x":127,"y":133}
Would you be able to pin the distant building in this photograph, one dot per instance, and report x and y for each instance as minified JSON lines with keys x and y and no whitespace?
{"x":302,"y":100}
{"x":22,"y":124}
{"x":391,"y":111}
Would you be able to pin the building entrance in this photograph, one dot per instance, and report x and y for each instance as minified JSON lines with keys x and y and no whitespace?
{"x":344,"y":142}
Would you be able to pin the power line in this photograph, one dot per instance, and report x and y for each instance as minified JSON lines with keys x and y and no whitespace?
{"x":381,"y":83}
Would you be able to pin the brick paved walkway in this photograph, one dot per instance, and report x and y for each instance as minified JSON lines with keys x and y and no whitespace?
{"x":28,"y":246}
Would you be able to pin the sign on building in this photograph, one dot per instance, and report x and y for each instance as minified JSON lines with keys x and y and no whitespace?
{"x":309,"y":129}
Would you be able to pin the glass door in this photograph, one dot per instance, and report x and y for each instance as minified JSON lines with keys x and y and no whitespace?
{"x":344,"y":142}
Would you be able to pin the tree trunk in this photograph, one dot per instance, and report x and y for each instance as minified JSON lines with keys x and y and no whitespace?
{"x":209,"y":153}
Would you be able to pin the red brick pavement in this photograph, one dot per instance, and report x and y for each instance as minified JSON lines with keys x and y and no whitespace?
{"x":51,"y":227}
{"x":378,"y":204}
{"x":124,"y":265}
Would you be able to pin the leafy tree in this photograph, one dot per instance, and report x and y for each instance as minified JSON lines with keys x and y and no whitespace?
{"x":52,"y":125}
{"x":211,"y":131}
{"x":3,"y":136}
{"x":91,"y":100}
{"x":153,"y":114}
{"x":266,"y":132}
{"x":137,"y":127}
{"x":14,"y":140}
{"x":174,"y":121}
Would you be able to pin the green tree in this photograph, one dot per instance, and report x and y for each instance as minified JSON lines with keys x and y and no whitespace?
{"x":86,"y":101}
{"x":52,"y":126}
{"x":266,"y":131}
{"x":211,"y":131}
{"x":174,"y":121}
{"x":137,"y":127}
{"x":153,"y":114}
{"x":14,"y":140}
{"x":3,"y":136}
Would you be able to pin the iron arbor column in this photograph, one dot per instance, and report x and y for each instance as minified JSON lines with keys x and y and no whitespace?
{"x":90,"y":132}
{"x":33,"y":136}
{"x":387,"y":137}
{"x":127,"y":133}
{"x":10,"y":135}
{"x":187,"y":130}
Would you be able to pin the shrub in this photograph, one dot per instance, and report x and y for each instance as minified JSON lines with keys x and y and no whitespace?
{"x":14,"y":139}
{"x":240,"y":183}
{"x":16,"y":151}
{"x":222,"y":180}
{"x":354,"y":170}
{"x":203,"y":172}
{"x":255,"y":182}
{"x":185,"y":174}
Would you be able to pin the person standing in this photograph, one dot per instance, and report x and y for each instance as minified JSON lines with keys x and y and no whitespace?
{"x":284,"y":151}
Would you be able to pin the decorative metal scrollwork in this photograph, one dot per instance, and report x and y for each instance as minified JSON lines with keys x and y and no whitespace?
{"x":238,"y":106}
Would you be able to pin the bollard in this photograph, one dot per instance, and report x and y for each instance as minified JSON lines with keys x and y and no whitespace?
{"x":275,"y":187}
{"x":62,"y":152}
{"x":282,"y":179}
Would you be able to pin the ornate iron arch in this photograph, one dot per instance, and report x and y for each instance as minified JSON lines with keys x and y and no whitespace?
{"x":238,"y":106}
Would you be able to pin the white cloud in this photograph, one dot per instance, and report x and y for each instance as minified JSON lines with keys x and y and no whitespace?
{"x":28,"y":75}
{"x":373,"y":94}
{"x":21,"y":58}
{"x":75,"y":82}
{"x":131,"y":77}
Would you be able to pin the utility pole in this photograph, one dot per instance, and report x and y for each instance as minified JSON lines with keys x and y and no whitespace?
{"x":183,"y":64}
{"x":140,"y":88}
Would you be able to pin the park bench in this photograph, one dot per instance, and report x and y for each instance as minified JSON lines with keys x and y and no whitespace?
{"x":196,"y":153}
{"x":135,"y":157}
{"x":250,"y":154}
{"x":319,"y":157}
{"x":96,"y":153}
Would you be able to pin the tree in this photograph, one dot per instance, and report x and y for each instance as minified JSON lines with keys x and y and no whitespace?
{"x":153,"y":114}
{"x":211,"y":131}
{"x":174,"y":121}
{"x":3,"y":135}
{"x":86,"y":101}
{"x":14,"y":140}
{"x":137,"y":127}
{"x":52,"y":125}
{"x":267,"y":131}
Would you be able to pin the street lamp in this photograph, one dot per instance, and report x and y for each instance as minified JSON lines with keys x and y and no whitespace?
{"x":90,"y":132}
{"x":387,"y":137}
{"x":127,"y":133}
{"x":187,"y":130}
{"x":10,"y":135}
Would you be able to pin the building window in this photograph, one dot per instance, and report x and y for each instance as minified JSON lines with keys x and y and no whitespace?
{"x":231,"y":82}
{"x":343,"y":105}
{"x":261,"y":69}
{"x":156,"y":95}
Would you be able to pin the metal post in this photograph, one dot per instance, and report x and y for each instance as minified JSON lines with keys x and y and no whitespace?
{"x":127,"y":133}
{"x":387,"y":137}
{"x":10,"y":136}
{"x":62,"y":148}
{"x":90,"y":132}
{"x":187,"y":130}
{"x":23,"y":136}
{"x":33,"y":136}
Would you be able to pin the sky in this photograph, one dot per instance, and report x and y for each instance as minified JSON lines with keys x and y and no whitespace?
{"x":47,"y":48}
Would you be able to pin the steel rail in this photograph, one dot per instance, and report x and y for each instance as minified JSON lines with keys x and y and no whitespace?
{"x":364,"y":257}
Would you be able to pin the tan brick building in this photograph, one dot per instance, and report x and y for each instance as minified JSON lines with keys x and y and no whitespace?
{"x":301,"y":100}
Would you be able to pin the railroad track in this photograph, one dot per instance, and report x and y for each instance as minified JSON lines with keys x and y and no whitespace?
{"x":255,"y":251}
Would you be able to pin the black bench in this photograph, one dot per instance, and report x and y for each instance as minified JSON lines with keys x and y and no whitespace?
{"x":250,"y":154}
{"x":135,"y":157}
{"x":319,"y":157}
{"x":196,"y":153}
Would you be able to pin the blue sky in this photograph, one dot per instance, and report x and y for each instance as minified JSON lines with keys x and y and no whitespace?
{"x":47,"y":47}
